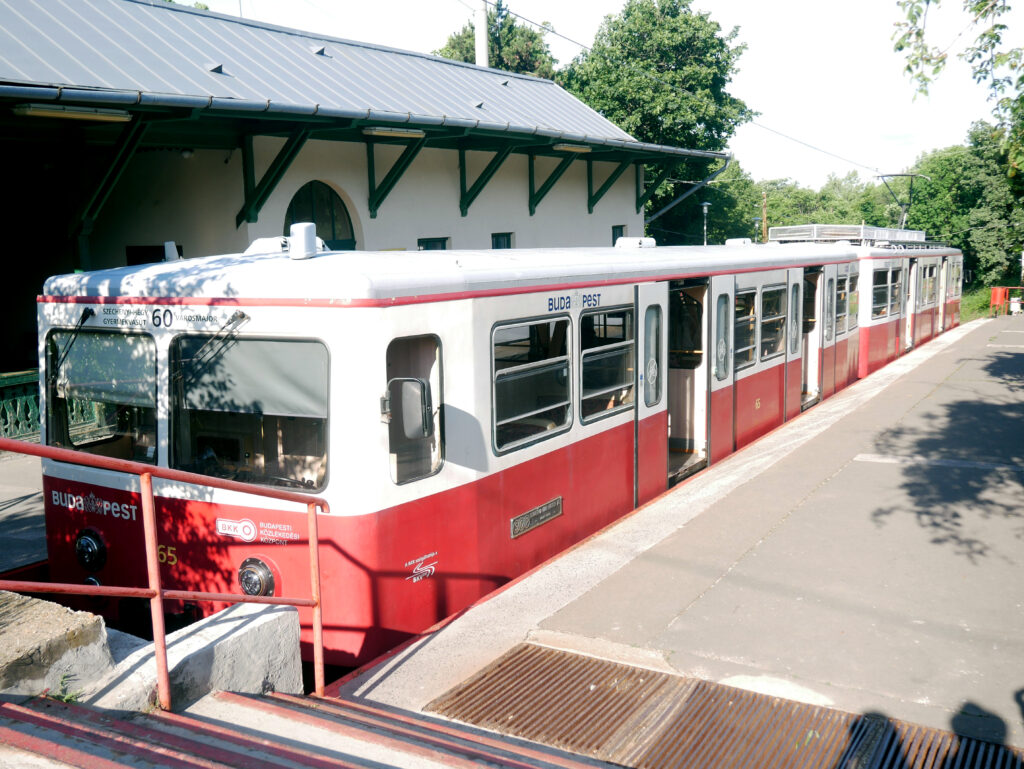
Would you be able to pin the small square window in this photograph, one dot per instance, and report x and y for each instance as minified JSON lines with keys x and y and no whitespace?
{"x":432,"y":244}
{"x":501,"y":240}
{"x":618,"y":231}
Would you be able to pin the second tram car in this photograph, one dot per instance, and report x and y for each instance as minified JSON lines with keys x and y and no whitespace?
{"x":467,"y":414}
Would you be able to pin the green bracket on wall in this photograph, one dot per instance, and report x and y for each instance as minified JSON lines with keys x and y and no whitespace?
{"x":256,"y":195}
{"x":643,"y":195}
{"x":594,"y":197}
{"x":379,"y":192}
{"x":469,"y":195}
{"x":537,"y":195}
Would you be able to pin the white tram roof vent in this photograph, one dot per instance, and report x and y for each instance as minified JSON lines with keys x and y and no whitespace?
{"x":287,"y":244}
{"x":738,"y":241}
{"x":302,"y":240}
{"x":636,"y":243}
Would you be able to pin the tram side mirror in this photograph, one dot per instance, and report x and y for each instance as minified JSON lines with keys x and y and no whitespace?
{"x":409,"y":400}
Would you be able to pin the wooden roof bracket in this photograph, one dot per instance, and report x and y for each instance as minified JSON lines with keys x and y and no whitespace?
{"x":594,"y":197}
{"x":644,"y":192}
{"x":378,"y":193}
{"x":256,"y":195}
{"x":124,"y":150}
{"x":467,"y":196}
{"x":537,"y":195}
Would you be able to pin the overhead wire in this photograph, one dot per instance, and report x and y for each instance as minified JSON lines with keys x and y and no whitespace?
{"x":549,"y":29}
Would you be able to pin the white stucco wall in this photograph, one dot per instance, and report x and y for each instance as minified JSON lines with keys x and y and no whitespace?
{"x":193,"y":201}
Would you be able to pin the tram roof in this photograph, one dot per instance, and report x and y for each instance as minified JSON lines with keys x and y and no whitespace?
{"x":360,"y":277}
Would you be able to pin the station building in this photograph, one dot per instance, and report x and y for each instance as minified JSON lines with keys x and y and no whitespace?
{"x":128,"y":125}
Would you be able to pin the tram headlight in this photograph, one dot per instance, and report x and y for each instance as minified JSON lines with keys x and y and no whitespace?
{"x":90,"y":550}
{"x":255,"y":577}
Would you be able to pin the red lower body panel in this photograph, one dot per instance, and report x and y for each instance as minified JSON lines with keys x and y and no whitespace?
{"x":794,"y":385}
{"x":759,"y":403}
{"x":384,"y":576}
{"x":722,"y":437}
{"x":878,"y":344}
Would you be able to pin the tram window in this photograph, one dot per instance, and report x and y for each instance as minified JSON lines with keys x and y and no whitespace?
{"x":653,"y":366}
{"x":794,"y":319}
{"x":531,"y":381}
{"x":880,"y":294}
{"x":102,"y":394}
{"x":722,"y":337}
{"x":745,"y":332}
{"x":894,"y":292}
{"x":810,"y":311}
{"x":842,"y":306}
{"x":252,"y":410}
{"x":773,"y":322}
{"x":830,"y":309}
{"x":607,"y":364}
{"x":853,"y":298}
{"x":413,"y":403}
{"x":685,"y":319}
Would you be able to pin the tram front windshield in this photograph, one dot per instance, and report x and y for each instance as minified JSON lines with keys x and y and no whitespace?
{"x":102,"y":394}
{"x":252,"y":410}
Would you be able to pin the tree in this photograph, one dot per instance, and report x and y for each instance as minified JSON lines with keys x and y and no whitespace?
{"x":993,"y":62}
{"x":660,"y":72}
{"x":511,"y":46}
{"x":971,"y":203}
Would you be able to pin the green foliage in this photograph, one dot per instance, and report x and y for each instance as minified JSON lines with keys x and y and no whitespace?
{"x":975,"y":303}
{"x":512,"y":47}
{"x":660,"y":72}
{"x":62,"y":694}
{"x":972,"y":204}
{"x":994,"y":63}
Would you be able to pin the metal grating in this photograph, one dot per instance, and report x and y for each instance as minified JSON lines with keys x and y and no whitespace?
{"x":650,"y":720}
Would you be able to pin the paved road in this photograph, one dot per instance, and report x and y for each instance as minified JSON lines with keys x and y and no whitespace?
{"x":22,"y":530}
{"x":866,"y":556}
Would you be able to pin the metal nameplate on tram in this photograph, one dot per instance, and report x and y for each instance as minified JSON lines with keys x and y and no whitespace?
{"x":531,"y":519}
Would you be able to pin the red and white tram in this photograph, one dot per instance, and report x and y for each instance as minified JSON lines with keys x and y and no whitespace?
{"x":466,"y":414}
{"x":914,"y":286}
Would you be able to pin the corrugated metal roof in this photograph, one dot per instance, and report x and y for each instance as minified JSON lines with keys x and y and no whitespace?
{"x":151,"y":53}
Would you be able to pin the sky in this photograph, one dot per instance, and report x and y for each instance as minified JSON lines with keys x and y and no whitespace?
{"x":820,"y":72}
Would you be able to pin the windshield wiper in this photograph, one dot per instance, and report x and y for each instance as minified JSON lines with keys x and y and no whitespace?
{"x":208,"y":353}
{"x":87,"y":313}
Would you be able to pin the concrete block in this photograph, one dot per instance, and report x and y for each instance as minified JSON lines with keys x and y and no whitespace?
{"x":46,"y":646}
{"x":249,"y":648}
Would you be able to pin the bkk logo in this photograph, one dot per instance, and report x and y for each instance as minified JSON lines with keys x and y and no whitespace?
{"x":244,"y":529}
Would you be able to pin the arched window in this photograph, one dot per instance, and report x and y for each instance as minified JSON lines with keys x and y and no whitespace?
{"x":317,"y":203}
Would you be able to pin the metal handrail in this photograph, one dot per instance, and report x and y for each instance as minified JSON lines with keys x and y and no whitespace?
{"x":155,"y":592}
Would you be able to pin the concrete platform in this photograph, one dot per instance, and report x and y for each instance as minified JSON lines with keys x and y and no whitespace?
{"x":866,"y":556}
{"x":22,"y":526}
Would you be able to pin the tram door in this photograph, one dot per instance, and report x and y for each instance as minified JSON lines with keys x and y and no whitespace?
{"x":688,"y":363}
{"x":909,"y":303}
{"x":721,"y":422}
{"x":828,"y":341}
{"x":943,"y":320}
{"x":794,"y":346}
{"x":650,"y":457}
{"x":810,"y":390}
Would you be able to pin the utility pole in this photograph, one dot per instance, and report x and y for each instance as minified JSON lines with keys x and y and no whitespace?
{"x":481,"y":34}
{"x":764,"y":216}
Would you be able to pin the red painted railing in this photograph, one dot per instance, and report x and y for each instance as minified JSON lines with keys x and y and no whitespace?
{"x":155,"y":593}
{"x":1000,"y":299}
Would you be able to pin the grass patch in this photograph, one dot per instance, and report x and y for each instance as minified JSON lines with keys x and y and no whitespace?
{"x":975,"y":303}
